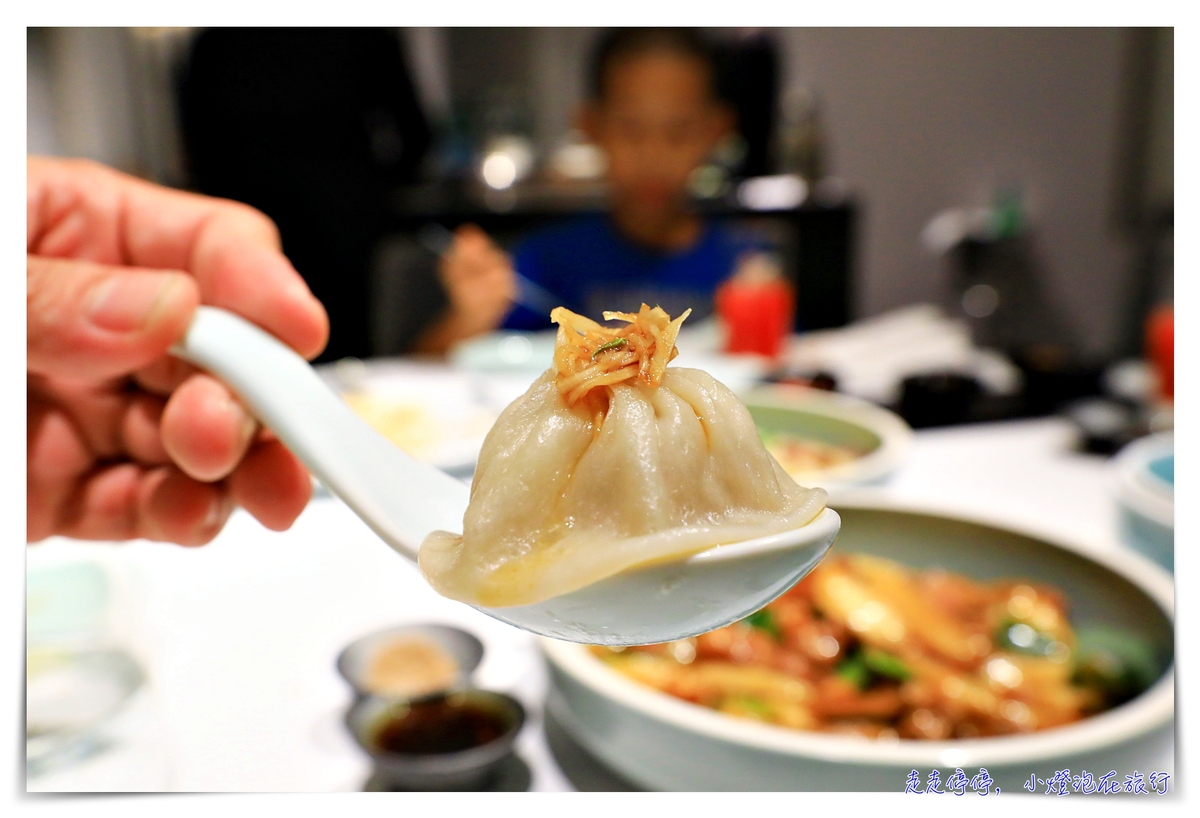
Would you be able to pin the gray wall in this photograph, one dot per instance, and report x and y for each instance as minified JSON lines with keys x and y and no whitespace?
{"x":546,"y":65}
{"x":81,"y":100}
{"x":1160,"y":162}
{"x":106,"y":94}
{"x":919,"y":120}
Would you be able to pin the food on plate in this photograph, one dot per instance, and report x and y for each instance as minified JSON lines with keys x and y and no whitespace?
{"x":409,"y":426}
{"x":423,"y":431}
{"x":611,"y":460}
{"x":866,"y":646}
{"x":411,"y":666}
{"x":806,"y":456}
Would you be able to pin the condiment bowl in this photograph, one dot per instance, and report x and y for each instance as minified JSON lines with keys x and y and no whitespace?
{"x":354,"y":662}
{"x":466,"y":769}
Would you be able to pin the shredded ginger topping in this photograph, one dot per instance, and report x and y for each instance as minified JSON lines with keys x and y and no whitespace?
{"x":588,"y":355}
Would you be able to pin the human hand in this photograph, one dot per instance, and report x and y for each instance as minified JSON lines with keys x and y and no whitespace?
{"x":479,"y":280}
{"x":125,"y":441}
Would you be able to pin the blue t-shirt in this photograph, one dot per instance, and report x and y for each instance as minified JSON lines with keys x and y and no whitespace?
{"x":585,"y":265}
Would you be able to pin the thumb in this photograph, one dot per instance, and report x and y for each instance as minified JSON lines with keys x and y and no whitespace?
{"x":99,"y":321}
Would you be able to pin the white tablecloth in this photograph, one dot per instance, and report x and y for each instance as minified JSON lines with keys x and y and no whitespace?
{"x":239,"y":637}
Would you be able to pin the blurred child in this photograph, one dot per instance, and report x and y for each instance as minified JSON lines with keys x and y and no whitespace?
{"x":653,"y":111}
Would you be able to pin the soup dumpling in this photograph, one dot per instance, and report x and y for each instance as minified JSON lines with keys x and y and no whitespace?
{"x":610,"y":461}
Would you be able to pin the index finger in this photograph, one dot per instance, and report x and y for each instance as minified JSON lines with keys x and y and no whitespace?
{"x":232,"y":249}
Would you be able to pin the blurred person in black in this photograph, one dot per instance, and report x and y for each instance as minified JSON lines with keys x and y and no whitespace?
{"x":313,"y":127}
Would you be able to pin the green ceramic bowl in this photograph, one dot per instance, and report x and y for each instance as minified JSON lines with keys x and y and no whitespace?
{"x":659,"y":742}
{"x":881,"y":437}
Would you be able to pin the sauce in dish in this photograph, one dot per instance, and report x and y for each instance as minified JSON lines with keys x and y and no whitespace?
{"x":411,"y":666}
{"x":443,"y":724}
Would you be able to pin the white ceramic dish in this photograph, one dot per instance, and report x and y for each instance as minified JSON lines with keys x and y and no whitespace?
{"x":506,"y":351}
{"x":431,"y":413}
{"x":836,"y":419}
{"x":659,"y":742}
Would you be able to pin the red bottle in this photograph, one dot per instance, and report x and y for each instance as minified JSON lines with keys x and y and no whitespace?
{"x":1160,"y":348}
{"x":757,"y":306}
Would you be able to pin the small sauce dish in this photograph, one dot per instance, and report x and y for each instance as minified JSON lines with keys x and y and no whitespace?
{"x":410,"y":661}
{"x":447,"y":741}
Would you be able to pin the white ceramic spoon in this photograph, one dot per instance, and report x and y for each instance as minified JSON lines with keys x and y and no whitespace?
{"x":403,"y":500}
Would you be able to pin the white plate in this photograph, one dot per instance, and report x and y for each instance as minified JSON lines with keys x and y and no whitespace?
{"x":433,"y":413}
{"x":506,"y":351}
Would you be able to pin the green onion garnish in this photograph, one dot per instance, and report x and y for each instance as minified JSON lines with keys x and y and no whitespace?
{"x":885,"y":664}
{"x":764,"y":621}
{"x":613,"y":344}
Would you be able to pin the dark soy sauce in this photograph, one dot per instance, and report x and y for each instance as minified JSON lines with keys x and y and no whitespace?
{"x":443,"y":724}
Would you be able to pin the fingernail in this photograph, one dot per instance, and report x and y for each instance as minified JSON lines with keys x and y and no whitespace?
{"x":249,"y":424}
{"x":300,"y":293}
{"x":129,"y":302}
{"x":218,"y":512}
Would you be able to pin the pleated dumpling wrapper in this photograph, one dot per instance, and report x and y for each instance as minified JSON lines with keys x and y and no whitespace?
{"x":610,"y":461}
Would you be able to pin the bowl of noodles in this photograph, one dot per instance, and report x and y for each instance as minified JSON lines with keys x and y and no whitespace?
{"x":923,"y":641}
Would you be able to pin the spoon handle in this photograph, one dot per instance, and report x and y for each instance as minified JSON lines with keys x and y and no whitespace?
{"x":401,"y":499}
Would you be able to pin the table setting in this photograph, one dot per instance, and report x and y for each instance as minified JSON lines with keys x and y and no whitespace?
{"x":235,"y":676}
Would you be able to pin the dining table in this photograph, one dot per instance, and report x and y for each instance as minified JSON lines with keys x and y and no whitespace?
{"x":238,"y":639}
